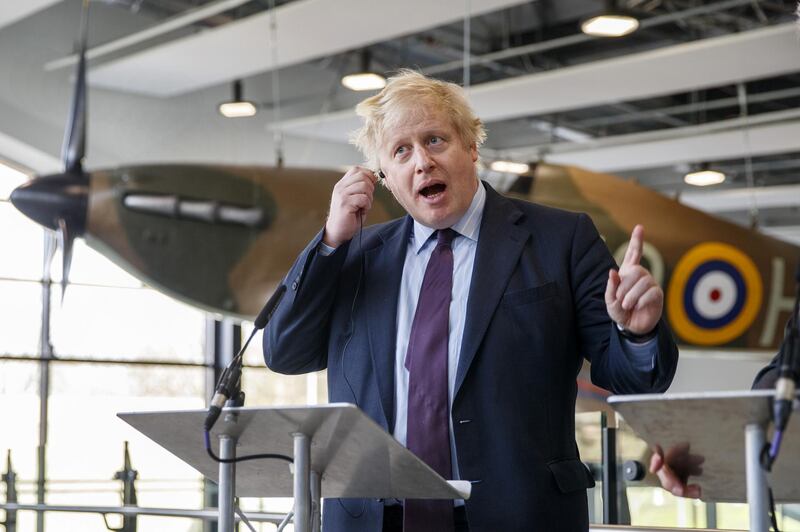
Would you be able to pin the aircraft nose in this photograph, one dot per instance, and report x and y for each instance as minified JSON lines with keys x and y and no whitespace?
{"x":48,"y":199}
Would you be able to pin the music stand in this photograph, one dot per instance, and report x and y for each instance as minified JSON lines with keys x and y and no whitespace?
{"x":338,"y":452}
{"x":722,"y":427}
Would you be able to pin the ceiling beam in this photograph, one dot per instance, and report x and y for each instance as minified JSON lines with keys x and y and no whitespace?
{"x":16,"y":151}
{"x":694,"y":144}
{"x":789,"y":233}
{"x":12,"y":11}
{"x":699,"y":64}
{"x":743,"y":199}
{"x":173,"y":23}
{"x":306,"y":30}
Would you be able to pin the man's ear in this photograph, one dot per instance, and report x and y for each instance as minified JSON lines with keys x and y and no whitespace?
{"x":473,"y":150}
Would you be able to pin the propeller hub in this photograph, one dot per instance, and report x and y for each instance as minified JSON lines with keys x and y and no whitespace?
{"x":48,"y":199}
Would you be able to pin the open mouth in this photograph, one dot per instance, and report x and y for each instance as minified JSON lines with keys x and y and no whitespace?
{"x":433,"y":190}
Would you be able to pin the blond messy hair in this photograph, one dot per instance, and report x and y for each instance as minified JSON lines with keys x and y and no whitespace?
{"x":409,"y":90}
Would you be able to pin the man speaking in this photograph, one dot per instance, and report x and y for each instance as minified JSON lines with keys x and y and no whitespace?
{"x":461,"y":327}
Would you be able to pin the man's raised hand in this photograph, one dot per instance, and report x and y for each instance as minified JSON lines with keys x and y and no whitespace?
{"x":350,"y":201}
{"x":633,"y":298}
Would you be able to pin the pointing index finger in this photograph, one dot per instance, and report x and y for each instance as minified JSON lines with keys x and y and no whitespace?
{"x":634,"y":252}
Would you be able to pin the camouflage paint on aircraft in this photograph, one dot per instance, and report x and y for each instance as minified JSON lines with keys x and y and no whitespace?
{"x":222,"y":237}
{"x":217,"y":237}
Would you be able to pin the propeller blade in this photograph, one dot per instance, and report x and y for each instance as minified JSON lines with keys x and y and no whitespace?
{"x":66,"y":238}
{"x":50,"y":247}
{"x":74,"y":146}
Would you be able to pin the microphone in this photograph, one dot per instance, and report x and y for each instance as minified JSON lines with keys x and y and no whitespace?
{"x":786,"y":386}
{"x":269,"y":309}
{"x":230,"y":381}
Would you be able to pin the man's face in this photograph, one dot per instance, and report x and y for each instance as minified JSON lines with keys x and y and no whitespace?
{"x":427,"y":167}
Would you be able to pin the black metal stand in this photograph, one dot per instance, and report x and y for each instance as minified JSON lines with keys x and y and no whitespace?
{"x":610,"y":506}
{"x":128,"y":477}
{"x":10,"y":480}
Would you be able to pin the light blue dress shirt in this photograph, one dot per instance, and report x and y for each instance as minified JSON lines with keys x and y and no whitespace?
{"x":420,"y":248}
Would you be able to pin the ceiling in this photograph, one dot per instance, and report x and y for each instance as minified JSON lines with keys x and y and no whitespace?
{"x":714,"y":82}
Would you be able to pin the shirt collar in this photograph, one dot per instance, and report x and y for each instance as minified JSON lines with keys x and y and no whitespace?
{"x":468,"y":225}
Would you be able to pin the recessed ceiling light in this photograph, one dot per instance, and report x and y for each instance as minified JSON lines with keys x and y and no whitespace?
{"x":509,"y":167}
{"x":704,"y":178}
{"x":609,"y":25}
{"x":364,"y":81}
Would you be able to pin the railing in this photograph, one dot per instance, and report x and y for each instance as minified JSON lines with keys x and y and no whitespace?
{"x":210,"y":514}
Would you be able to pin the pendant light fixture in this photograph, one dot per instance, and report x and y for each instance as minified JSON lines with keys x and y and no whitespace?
{"x":509,"y":167}
{"x":365,"y":79}
{"x":704,"y":176}
{"x":237,"y":107}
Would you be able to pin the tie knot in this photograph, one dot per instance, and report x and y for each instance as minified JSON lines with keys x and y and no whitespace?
{"x":444,"y":237}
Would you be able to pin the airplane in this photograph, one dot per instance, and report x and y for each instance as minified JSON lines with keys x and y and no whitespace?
{"x":222,"y":237}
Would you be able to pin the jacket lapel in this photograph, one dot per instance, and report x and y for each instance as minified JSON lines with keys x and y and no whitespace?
{"x":383,"y":271}
{"x":499,"y":246}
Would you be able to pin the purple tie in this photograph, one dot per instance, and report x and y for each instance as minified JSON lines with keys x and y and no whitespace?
{"x":428,"y":434}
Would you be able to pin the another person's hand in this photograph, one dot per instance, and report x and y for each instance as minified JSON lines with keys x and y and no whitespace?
{"x":674,"y":468}
{"x":350,"y":202}
{"x":633,"y":298}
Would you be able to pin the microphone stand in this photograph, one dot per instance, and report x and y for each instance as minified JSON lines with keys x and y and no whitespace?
{"x":229,"y":393}
{"x":229,"y":387}
{"x":786,"y":385}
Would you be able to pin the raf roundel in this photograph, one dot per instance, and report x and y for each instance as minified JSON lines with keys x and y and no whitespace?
{"x":714,"y":294}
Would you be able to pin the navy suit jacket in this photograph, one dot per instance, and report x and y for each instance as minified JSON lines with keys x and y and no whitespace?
{"x":536,"y":308}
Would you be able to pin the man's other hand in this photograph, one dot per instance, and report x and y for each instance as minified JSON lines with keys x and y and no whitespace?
{"x":350,"y":202}
{"x":633,"y":298}
{"x":674,"y":468}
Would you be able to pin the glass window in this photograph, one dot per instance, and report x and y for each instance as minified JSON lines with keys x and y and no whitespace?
{"x":10,"y":178}
{"x":277,"y":505}
{"x":654,"y":506}
{"x":126,"y":324}
{"x":20,"y":317}
{"x":86,"y":440}
{"x":267,"y":388}
{"x":309,"y":389}
{"x":254,"y":354}
{"x":588,"y":437}
{"x":22,"y":244}
{"x":19,"y":404}
{"x":322,"y":386}
{"x":90,"y":267}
